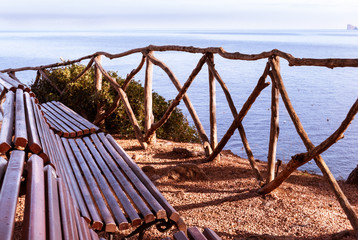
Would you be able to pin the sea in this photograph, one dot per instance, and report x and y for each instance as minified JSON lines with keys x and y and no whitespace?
{"x":321,"y":96}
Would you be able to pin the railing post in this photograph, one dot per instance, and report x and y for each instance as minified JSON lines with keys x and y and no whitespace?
{"x":212,"y":94}
{"x":98,"y":87}
{"x":148,"y":98}
{"x":274,"y":131}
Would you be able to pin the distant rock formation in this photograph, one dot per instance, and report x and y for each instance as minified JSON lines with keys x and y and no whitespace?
{"x":351,"y":27}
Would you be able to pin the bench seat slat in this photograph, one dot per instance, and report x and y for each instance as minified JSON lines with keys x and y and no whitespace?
{"x":96,"y":219}
{"x":210,"y":234}
{"x":63,"y":126}
{"x":70,"y":179}
{"x":127,"y":206}
{"x":20,"y":121}
{"x":111,"y":143}
{"x":9,"y":193}
{"x":123,"y":181}
{"x":34,"y":139}
{"x":93,"y":128}
{"x":79,"y":127}
{"x":147,"y":195}
{"x":8,"y":123}
{"x":195,"y":234}
{"x":68,"y":223}
{"x":3,"y":165}
{"x":35,"y":217}
{"x":11,"y":81}
{"x":180,"y":236}
{"x":102,"y":185}
{"x":6,"y":84}
{"x":110,"y":225}
{"x":53,"y":207}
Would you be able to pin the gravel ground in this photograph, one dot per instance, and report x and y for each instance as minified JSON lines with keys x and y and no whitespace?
{"x":222,"y":196}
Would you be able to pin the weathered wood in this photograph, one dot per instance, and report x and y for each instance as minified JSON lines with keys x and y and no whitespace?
{"x":188,"y":104}
{"x":210,"y":234}
{"x":133,"y":73}
{"x":20,"y":137}
{"x":77,"y":126}
{"x":180,"y":236}
{"x":72,"y":185}
{"x":212,"y":105}
{"x":2,"y":99}
{"x":3,"y":165}
{"x":110,"y":225}
{"x":44,"y":76}
{"x":96,"y":219}
{"x":176,"y":101}
{"x":93,"y":128}
{"x":34,"y":139}
{"x":52,"y":206}
{"x":134,"y":178}
{"x":194,"y":233}
{"x":127,"y":106}
{"x":240,"y":128}
{"x":148,"y":101}
{"x":261,"y":85}
{"x":314,"y":151}
{"x":9,"y":194}
{"x":65,"y":125}
{"x":274,"y":131}
{"x":121,"y":180}
{"x":35,"y":217}
{"x":98,"y":86}
{"x":109,"y":111}
{"x":111,"y":143}
{"x":7,"y":127}
{"x":6,"y":84}
{"x":89,"y":166}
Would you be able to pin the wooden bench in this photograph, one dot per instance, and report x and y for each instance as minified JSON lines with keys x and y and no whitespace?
{"x":195,"y":234}
{"x":84,"y":181}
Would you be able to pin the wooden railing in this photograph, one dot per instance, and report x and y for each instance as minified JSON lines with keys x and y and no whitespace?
{"x":213,"y":146}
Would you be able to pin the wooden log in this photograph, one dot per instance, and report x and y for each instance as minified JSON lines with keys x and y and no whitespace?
{"x":35,"y":217}
{"x":212,"y":104}
{"x":52,"y":204}
{"x":121,"y":180}
{"x":210,"y":234}
{"x":110,"y":225}
{"x":61,"y":119}
{"x":7,"y":127}
{"x":176,"y":101}
{"x":103,"y":187}
{"x":64,"y":124}
{"x":93,"y":128}
{"x":40,"y":130}
{"x":92,"y":208}
{"x":109,"y":111}
{"x":119,"y":155}
{"x":6,"y":84}
{"x":240,"y":116}
{"x":240,"y":128}
{"x":3,"y":165}
{"x":68,"y":223}
{"x":20,"y":137}
{"x":135,"y":179}
{"x":2,"y":99}
{"x":9,"y":194}
{"x":188,"y":104}
{"x":127,"y":106}
{"x":180,"y":236}
{"x":352,"y":216}
{"x":98,"y":86}
{"x":148,"y":101}
{"x":34,"y":139}
{"x":274,"y":131}
{"x":133,"y":73}
{"x":79,"y":127}
{"x":194,"y":233}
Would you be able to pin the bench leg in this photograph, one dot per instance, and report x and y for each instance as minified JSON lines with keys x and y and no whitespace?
{"x":161,"y":225}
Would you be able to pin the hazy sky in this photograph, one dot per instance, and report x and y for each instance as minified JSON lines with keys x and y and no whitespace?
{"x":169,"y":14}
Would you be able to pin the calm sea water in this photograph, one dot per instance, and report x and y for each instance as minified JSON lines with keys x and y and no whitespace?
{"x":320,"y":96}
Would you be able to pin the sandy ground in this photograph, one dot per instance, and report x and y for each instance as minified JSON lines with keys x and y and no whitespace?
{"x":223,"y":196}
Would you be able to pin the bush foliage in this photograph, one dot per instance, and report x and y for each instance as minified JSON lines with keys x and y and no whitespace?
{"x":81,"y":97}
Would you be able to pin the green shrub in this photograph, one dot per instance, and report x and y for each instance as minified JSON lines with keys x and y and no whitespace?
{"x":80,"y":96}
